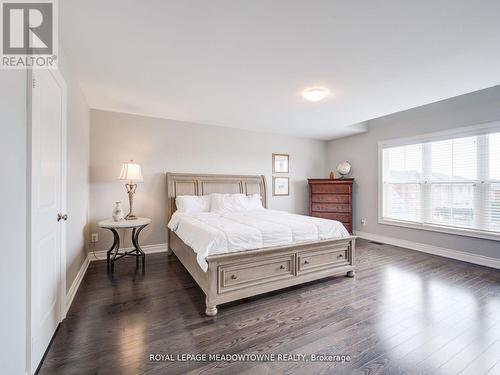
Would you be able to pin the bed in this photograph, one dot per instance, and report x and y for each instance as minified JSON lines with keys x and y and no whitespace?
{"x":229,"y":275}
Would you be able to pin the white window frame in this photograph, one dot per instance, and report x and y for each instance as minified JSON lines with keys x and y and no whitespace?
{"x":475,"y":130}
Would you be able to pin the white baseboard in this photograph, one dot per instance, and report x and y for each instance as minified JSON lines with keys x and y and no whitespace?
{"x":148,"y":249}
{"x":75,"y":285}
{"x":441,"y":251}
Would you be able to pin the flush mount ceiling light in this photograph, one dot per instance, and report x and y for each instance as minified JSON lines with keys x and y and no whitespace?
{"x":314,"y":94}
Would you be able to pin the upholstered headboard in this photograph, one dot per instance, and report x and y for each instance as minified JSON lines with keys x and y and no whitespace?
{"x":204,"y":184}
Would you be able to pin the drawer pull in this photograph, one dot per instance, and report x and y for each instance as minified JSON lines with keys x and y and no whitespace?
{"x":282,"y":267}
{"x":234,"y":277}
{"x":340,"y":256}
{"x":306,"y":262}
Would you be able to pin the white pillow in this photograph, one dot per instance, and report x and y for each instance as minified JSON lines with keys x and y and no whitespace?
{"x":253,"y":202}
{"x":192,"y":203}
{"x":224,"y":203}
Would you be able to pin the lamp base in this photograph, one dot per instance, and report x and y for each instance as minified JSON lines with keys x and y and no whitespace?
{"x":131,"y":188}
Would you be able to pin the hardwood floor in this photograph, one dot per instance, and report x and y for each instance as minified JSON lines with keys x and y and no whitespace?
{"x":405,"y":312}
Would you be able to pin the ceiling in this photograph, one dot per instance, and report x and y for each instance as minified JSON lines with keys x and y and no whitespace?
{"x":243,"y":64}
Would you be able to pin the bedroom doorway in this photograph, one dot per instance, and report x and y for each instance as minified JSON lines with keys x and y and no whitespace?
{"x":47,"y":221}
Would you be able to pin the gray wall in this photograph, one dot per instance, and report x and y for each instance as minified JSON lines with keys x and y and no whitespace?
{"x":362,"y":152}
{"x":78,"y":159}
{"x":13,"y":143}
{"x":161,"y":145}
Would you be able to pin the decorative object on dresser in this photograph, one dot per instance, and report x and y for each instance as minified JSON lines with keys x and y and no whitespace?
{"x":331,"y":199}
{"x":131,"y":172}
{"x":114,"y":253}
{"x":118,"y":212}
{"x":281,"y":163}
{"x":344,"y":168}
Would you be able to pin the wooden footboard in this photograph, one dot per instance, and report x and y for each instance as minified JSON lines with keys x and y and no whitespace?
{"x":248,"y":273}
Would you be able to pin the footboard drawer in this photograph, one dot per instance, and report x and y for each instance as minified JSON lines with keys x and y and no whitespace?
{"x":247,"y":274}
{"x":313,"y":261}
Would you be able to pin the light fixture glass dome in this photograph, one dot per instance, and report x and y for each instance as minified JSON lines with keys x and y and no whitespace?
{"x":315,"y":94}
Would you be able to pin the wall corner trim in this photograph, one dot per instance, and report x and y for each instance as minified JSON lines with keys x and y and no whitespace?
{"x":75,"y":285}
{"x":435,"y":250}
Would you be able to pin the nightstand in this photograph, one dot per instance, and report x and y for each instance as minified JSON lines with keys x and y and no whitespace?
{"x":137,"y":226}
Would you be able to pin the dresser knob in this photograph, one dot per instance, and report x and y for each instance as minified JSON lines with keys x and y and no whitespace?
{"x":306,"y":262}
{"x":234,"y":277}
{"x":340,"y":256}
{"x":282,"y":267}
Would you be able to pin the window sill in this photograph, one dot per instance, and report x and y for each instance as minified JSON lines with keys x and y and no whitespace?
{"x":442,"y":229}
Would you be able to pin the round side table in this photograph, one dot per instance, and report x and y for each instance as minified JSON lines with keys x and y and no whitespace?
{"x":137,"y":226}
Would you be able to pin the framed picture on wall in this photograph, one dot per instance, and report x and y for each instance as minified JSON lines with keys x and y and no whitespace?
{"x":280,"y":163}
{"x":281,"y":186}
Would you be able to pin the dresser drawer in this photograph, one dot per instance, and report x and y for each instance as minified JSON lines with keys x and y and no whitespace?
{"x":326,"y":198}
{"x":344,"y":217}
{"x":331,"y":207}
{"x":247,"y":274}
{"x":323,"y":259}
{"x":330,"y":188}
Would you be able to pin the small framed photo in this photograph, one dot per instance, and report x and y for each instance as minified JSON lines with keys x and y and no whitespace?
{"x":281,"y":186}
{"x":280,"y":163}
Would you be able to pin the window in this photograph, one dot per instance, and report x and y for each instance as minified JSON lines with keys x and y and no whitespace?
{"x":446,"y":181}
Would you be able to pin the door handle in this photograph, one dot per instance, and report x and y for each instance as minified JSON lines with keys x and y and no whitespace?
{"x":62,"y":217}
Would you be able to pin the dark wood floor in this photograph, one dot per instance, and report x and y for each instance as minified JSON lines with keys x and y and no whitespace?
{"x":405,"y":312}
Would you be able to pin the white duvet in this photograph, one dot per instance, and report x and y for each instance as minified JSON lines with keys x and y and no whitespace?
{"x":209,"y":233}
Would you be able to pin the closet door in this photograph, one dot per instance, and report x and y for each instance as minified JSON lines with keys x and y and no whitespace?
{"x":48,"y":154}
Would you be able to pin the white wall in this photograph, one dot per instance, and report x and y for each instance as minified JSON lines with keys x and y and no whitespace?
{"x":162,"y":146}
{"x":362,"y":152}
{"x":13,"y":143}
{"x":78,"y":154}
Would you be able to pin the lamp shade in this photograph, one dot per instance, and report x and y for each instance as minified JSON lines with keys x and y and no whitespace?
{"x":131,"y":172}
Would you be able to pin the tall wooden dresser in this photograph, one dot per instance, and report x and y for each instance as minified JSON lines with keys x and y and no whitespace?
{"x":331,"y":199}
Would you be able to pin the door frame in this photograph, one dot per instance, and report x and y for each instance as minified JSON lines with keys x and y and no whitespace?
{"x":31,"y":81}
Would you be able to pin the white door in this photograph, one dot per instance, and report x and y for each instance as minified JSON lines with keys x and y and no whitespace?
{"x":48,"y":111}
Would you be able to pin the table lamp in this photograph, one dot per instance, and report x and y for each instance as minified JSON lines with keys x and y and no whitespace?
{"x":131,"y":172}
